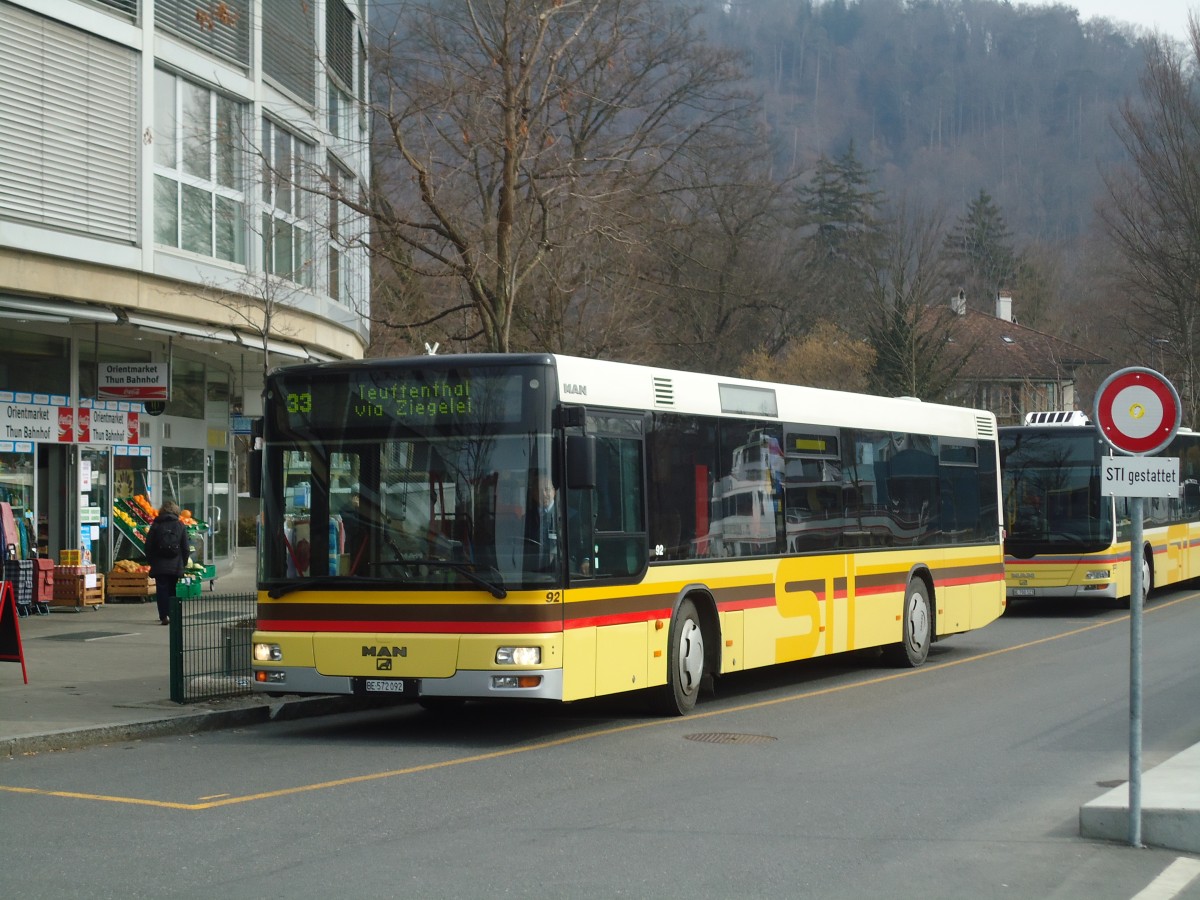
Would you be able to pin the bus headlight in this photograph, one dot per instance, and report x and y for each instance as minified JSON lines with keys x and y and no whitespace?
{"x":518,"y":656}
{"x":267,"y":653}
{"x":1098,"y":575}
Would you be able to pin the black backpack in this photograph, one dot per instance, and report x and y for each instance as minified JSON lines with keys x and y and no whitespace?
{"x":167,"y":544}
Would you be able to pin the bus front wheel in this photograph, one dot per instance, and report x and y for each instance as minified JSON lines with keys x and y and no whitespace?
{"x":685,"y":663}
{"x":918,"y":628}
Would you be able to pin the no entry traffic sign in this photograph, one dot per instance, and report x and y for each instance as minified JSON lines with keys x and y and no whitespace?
{"x":1138,"y":411}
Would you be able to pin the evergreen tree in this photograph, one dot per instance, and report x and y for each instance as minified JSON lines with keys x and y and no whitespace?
{"x":981,"y":254}
{"x":839,"y":205}
{"x":840,"y":233}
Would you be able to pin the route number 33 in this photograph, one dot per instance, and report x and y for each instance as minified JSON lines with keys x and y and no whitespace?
{"x":299,"y":403}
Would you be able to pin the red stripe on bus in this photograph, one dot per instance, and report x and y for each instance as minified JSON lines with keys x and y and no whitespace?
{"x":402,"y":627}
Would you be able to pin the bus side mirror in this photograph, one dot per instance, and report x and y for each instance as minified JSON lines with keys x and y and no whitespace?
{"x":581,"y":461}
{"x":254,"y":461}
{"x":255,"y":457}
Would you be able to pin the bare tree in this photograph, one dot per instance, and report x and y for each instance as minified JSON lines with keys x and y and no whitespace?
{"x":517,"y":132}
{"x":911,"y":327}
{"x":717,"y":271}
{"x":1153,"y":217}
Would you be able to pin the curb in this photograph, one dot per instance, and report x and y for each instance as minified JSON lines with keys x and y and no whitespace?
{"x":281,"y":710}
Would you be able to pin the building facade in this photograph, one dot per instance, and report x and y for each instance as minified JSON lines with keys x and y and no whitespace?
{"x":170,"y":228}
{"x":1013,"y":370}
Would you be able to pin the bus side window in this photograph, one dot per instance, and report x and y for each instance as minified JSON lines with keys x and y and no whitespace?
{"x":620,"y":530}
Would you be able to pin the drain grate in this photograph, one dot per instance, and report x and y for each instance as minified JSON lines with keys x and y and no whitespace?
{"x":84,"y":635}
{"x":729,"y":737}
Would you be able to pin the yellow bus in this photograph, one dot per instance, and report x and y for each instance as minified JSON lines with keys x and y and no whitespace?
{"x":545,"y":527}
{"x":1065,"y":539}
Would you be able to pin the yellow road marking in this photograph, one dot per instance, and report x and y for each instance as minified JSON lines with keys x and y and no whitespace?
{"x":226,"y":800}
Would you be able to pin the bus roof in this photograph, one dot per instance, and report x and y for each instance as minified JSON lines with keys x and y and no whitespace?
{"x":596,"y":382}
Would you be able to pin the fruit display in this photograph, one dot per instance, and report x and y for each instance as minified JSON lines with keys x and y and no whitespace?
{"x":130,"y":567}
{"x":144,"y":507}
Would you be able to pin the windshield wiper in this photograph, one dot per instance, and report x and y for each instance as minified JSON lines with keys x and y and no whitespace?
{"x":303,"y":584}
{"x":467,"y":570}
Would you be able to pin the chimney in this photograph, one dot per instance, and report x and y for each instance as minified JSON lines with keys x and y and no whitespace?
{"x":959,"y":303}
{"x":1004,"y":307}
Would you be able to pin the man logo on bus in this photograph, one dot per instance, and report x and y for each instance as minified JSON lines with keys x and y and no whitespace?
{"x":372,"y":650}
{"x":383,"y":664}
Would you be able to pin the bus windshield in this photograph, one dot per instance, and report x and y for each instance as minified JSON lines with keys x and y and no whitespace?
{"x":403,"y":477}
{"x":1052,"y":500}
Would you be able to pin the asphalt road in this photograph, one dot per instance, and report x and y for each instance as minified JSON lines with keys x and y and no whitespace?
{"x":829,"y":779}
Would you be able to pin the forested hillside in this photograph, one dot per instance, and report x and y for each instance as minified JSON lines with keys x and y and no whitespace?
{"x":944,"y":98}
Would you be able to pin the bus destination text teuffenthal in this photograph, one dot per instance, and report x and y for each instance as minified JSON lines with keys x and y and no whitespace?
{"x":403,"y":401}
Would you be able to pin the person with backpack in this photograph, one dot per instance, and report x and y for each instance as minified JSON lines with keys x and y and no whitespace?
{"x":167,"y":552}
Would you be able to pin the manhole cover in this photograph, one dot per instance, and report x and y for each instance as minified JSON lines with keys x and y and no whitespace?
{"x":727,"y":737}
{"x":84,"y":635}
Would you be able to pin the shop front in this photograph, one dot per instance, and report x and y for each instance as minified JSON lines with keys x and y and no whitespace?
{"x":81,"y":476}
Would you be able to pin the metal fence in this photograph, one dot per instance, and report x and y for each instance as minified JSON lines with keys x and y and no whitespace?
{"x":210,"y":646}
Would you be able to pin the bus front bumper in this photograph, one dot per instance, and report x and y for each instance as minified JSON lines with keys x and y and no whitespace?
{"x":533,"y":684}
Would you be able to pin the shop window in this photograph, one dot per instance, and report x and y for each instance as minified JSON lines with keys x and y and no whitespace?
{"x":36,"y":363}
{"x":187,"y":389}
{"x":91,"y":355}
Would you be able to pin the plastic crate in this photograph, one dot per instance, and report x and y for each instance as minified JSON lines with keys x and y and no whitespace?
{"x":188,"y":588}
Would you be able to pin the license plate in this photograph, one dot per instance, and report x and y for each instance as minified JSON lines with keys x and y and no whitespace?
{"x":386,"y":685}
{"x":1022,"y":592}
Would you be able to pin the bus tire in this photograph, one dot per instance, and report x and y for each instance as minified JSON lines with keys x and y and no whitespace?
{"x":917,"y":619}
{"x":685,"y":663}
{"x":1147,"y":574}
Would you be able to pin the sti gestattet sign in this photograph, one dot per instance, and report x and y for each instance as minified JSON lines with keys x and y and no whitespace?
{"x":134,"y":381}
{"x":1138,"y":412}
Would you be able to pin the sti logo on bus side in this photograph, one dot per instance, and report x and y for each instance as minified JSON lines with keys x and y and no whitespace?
{"x":383,"y":652}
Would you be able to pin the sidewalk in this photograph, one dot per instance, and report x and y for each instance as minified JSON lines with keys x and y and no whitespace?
{"x":103,"y":674}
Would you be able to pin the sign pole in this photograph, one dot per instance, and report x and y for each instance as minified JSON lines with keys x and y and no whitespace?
{"x":1138,"y":412}
{"x":1136,"y":590}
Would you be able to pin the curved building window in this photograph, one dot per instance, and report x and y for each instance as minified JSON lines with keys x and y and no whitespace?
{"x":199,"y":197}
{"x":286,"y":219}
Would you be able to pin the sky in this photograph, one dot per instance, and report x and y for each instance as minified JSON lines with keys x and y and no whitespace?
{"x":1167,"y":16}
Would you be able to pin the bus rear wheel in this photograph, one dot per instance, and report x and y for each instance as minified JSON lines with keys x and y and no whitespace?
{"x":913,"y":650}
{"x":685,"y":663}
{"x":1147,"y":576}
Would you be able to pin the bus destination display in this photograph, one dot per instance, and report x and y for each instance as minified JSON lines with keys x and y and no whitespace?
{"x":438,"y":398}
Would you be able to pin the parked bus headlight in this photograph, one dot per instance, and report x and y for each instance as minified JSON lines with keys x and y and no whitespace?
{"x":268,"y":653}
{"x":518,"y":656}
{"x":1098,"y":574}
